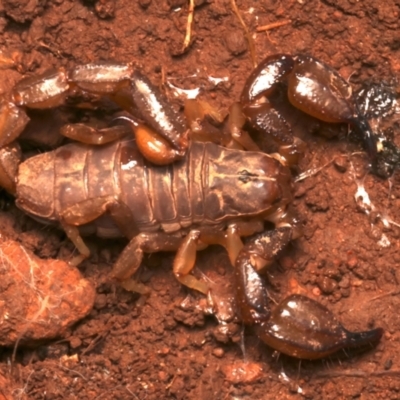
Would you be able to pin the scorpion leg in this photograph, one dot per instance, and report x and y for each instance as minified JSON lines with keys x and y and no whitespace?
{"x":205,"y":122}
{"x":299,"y":326}
{"x":13,"y":121}
{"x":10,"y":158}
{"x":196,"y":239}
{"x":75,"y":237}
{"x":184,"y":261}
{"x":45,"y":91}
{"x":91,"y":135}
{"x":131,"y":257}
{"x":236,"y":121}
{"x":89,"y":210}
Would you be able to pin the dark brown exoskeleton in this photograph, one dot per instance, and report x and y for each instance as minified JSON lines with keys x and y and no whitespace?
{"x":165,"y":192}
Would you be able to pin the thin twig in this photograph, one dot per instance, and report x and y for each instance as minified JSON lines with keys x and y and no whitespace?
{"x":357,"y":374}
{"x":72,"y":371}
{"x":94,"y":342}
{"x":273,"y":25}
{"x":189,"y":23}
{"x":247,"y":33}
{"x":381,"y":296}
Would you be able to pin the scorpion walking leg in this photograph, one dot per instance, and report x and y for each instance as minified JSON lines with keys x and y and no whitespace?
{"x":131,"y":257}
{"x":90,"y":135}
{"x":184,"y":262}
{"x":87,"y":211}
{"x":299,"y":326}
{"x":13,"y":121}
{"x":74,"y":236}
{"x":205,"y":125}
{"x":230,"y":239}
{"x":10,"y":158}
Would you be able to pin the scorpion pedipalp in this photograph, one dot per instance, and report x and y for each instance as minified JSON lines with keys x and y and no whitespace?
{"x":313,"y":87}
{"x":121,"y":83}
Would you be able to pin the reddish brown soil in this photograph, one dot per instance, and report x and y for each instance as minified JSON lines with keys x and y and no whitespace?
{"x":165,"y":349}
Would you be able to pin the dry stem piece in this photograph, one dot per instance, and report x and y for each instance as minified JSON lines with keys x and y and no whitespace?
{"x":273,"y":25}
{"x":246,"y":32}
{"x":189,"y":23}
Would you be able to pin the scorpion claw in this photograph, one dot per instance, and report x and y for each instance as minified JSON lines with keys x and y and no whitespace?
{"x":312,"y":87}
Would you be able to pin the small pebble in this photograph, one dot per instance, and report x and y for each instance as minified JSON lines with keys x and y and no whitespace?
{"x":105,"y":9}
{"x":163,"y":376}
{"x":75,"y":342}
{"x":115,"y":356}
{"x":345,"y":292}
{"x":218,"y":352}
{"x":164,"y":351}
{"x":352,"y":262}
{"x":242,"y":372}
{"x":235,"y":42}
{"x":345,"y":282}
{"x":144,"y":3}
{"x":100,"y":301}
{"x":388,"y":364}
{"x":327,"y":285}
{"x":316,"y":291}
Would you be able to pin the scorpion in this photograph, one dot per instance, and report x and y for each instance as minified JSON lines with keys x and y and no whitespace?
{"x":182,"y":186}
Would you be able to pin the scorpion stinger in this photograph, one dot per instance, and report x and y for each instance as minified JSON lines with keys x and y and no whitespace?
{"x":298,"y":326}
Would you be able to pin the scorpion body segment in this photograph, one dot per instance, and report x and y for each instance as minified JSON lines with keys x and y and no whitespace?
{"x":165,"y":193}
{"x":211,"y":186}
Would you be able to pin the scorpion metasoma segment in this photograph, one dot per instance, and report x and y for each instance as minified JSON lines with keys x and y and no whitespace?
{"x":182,"y":186}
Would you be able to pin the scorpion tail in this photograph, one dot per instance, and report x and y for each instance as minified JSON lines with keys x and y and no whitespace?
{"x":303,"y":328}
{"x":298,"y":326}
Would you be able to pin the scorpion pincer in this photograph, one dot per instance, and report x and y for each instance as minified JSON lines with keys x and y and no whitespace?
{"x":166,"y":191}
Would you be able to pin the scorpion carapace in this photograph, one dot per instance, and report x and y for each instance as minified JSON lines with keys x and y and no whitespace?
{"x":165,"y":192}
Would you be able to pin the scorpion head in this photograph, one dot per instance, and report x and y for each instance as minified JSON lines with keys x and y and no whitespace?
{"x":244,"y":183}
